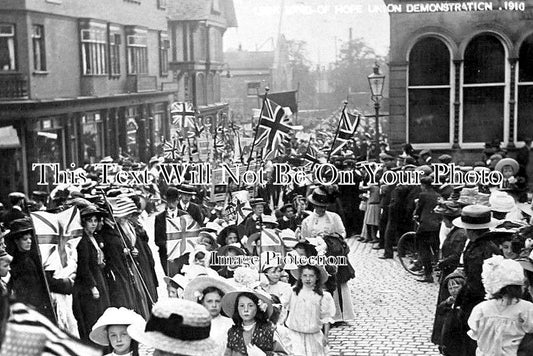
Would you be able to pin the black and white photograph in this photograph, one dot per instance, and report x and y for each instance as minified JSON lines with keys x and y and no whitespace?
{"x":266,"y":177}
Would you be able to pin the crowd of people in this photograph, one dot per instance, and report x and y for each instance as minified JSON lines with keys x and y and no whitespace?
{"x":98,"y":280}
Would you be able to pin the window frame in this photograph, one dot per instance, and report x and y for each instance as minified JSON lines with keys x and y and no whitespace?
{"x":137,"y":51}
{"x":12,"y":56}
{"x":115,"y":41}
{"x":164,"y":47}
{"x":94,"y":48}
{"x":505,"y":84}
{"x":39,"y":41}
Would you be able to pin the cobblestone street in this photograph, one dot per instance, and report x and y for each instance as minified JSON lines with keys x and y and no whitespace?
{"x":394,"y":312}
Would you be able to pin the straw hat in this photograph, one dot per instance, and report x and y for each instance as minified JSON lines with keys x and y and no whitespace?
{"x":200,"y":283}
{"x":319,"y":197}
{"x":90,"y":210}
{"x":123,"y":206}
{"x":228,"y":301}
{"x":475,"y":217}
{"x":179,"y":279}
{"x":507,"y":162}
{"x":448,"y":208}
{"x":501,"y":202}
{"x":256,"y":201}
{"x":113,"y":316}
{"x":177,"y":325}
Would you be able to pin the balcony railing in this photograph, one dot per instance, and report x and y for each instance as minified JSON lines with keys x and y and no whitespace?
{"x":13,"y":86}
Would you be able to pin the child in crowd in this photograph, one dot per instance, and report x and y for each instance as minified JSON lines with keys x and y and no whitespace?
{"x":110,"y":330}
{"x":500,"y":323}
{"x":450,"y":329}
{"x":175,"y":285}
{"x":310,"y":309}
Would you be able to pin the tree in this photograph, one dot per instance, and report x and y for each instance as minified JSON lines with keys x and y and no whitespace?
{"x":350,"y":72}
{"x":302,"y":74}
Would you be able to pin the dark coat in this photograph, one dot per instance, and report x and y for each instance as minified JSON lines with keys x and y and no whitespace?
{"x":27,"y":282}
{"x":195,"y":211}
{"x":160,"y":236}
{"x":145,"y":261}
{"x":89,"y":274}
{"x":451,"y":251}
{"x":429,"y":220}
{"x":122,"y":292}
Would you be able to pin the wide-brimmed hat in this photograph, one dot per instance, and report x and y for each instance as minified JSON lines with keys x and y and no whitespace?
{"x":221,"y":237}
{"x":179,"y":279}
{"x":90,"y":210}
{"x":177,"y":325}
{"x":228,"y":301}
{"x":113,"y":316}
{"x":499,"y":272}
{"x":501,"y":202}
{"x":526,"y":208}
{"x":323,"y":273}
{"x":445,"y":158}
{"x":123,"y":206}
{"x":20,"y":226}
{"x":186,"y":189}
{"x":319,"y":197}
{"x":16,"y":195}
{"x":507,"y":162}
{"x":200,"y":283}
{"x":475,"y":217}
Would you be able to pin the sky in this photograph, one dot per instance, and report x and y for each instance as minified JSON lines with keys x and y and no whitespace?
{"x":321,"y":23}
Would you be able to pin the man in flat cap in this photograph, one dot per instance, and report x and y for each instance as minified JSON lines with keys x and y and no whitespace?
{"x":186,"y":192}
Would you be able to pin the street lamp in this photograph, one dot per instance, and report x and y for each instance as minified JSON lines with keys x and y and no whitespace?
{"x":376,"y":81}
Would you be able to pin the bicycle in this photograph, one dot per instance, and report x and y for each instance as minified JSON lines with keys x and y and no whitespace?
{"x":408,"y":254}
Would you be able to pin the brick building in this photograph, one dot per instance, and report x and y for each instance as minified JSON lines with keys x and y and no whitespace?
{"x":461,"y":79}
{"x":80,"y":80}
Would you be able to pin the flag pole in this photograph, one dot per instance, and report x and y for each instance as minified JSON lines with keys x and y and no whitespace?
{"x":337,"y":132}
{"x":127,"y":251}
{"x":257,"y":129}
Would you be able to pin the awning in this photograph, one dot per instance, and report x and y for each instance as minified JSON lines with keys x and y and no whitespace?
{"x":9,"y":137}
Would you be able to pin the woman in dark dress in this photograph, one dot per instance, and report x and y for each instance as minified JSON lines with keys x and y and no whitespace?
{"x":91,"y":296}
{"x":27,"y":278}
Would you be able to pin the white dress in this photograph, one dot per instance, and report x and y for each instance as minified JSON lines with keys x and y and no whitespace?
{"x":308,"y":311}
{"x":219,"y":332}
{"x":499,"y":328}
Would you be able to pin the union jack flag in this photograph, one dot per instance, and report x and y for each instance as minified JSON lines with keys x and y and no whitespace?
{"x":219,"y":139}
{"x":311,"y":156}
{"x":173,"y":149}
{"x":183,"y":115}
{"x":182,"y":232}
{"x":274,"y":129}
{"x":347,"y":127}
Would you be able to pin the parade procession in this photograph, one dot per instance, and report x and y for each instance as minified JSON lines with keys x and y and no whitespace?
{"x":253,"y":178}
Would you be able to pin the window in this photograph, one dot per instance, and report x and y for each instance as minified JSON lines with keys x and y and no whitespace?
{"x":483,"y":90}
{"x":39,"y":54}
{"x":216,"y":5}
{"x":7,"y":47}
{"x":137,"y":51}
{"x":429,"y":92}
{"x":162,"y":4}
{"x":114,"y":51}
{"x":94,"y":48}
{"x":253,"y":88}
{"x":201,"y":98}
{"x":202,"y":43}
{"x":525,"y":90}
{"x":164,"y":45}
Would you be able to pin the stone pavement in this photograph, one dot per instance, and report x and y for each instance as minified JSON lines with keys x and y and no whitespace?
{"x":394,"y":312}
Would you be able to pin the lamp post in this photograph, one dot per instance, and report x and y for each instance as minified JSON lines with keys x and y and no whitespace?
{"x":376,"y":81}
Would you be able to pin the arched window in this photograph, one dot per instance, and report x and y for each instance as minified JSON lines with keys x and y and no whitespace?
{"x":429,"y":92}
{"x":200,"y":89}
{"x":483,"y":90}
{"x":525,"y":90}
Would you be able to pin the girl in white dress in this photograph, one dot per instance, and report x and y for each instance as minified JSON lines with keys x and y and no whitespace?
{"x":311,"y":311}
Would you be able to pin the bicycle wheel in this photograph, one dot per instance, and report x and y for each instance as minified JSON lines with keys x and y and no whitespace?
{"x":408,"y":254}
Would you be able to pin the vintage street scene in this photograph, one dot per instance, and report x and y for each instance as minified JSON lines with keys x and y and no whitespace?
{"x":266,"y":178}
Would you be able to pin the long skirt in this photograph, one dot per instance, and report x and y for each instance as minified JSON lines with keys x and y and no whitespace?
{"x":343,"y":303}
{"x":372,"y":214}
{"x":306,"y":344}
